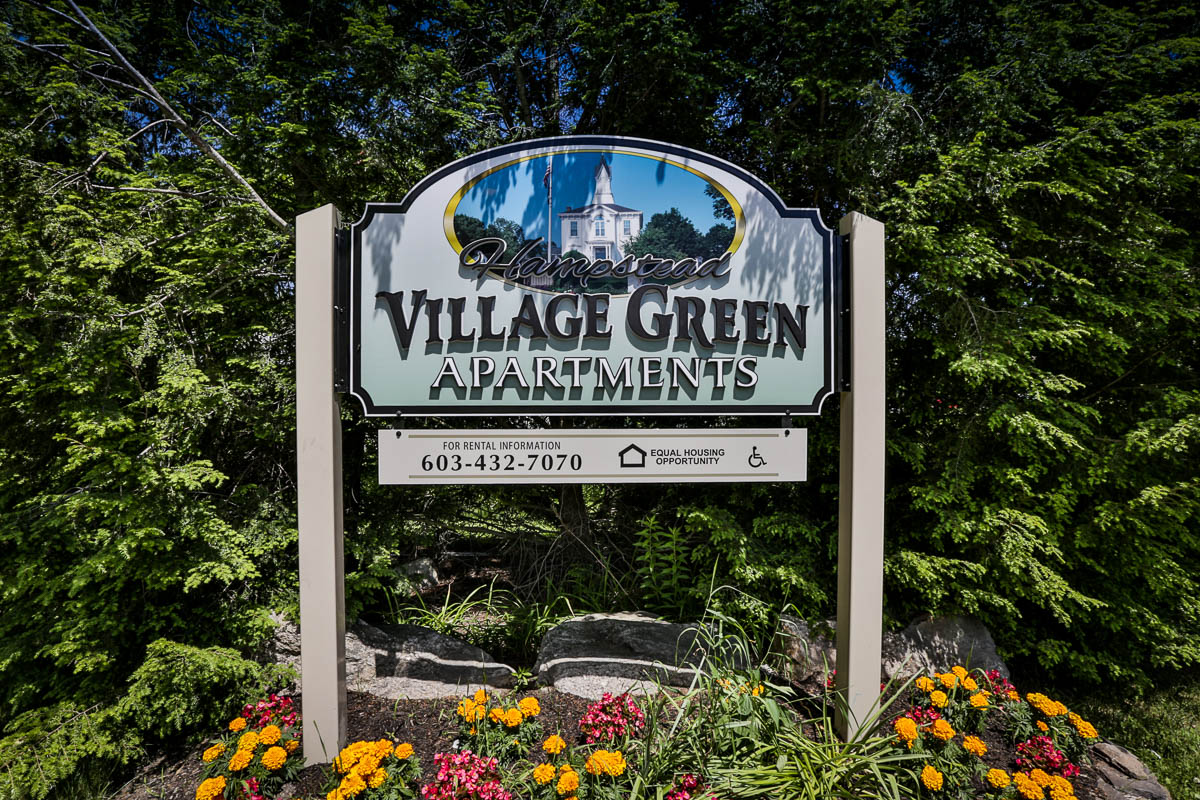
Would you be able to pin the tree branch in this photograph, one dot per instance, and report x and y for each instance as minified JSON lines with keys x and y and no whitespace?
{"x":177,"y":120}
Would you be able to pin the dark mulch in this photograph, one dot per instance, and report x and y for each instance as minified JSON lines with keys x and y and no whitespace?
{"x":430,"y":727}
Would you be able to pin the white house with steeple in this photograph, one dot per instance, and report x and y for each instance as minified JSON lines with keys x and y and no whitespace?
{"x":602,"y":228}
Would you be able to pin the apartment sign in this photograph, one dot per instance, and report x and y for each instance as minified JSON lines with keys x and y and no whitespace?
{"x":591,"y":276}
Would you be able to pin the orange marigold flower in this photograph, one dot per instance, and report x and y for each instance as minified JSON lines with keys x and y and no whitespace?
{"x":211,"y":788}
{"x":1013,"y":695}
{"x":496,"y":715}
{"x":906,"y":729}
{"x":237,"y":724}
{"x":1043,"y":727}
{"x":568,"y":782}
{"x":213,"y":753}
{"x":948,"y":679}
{"x":270,"y":735}
{"x":480,"y":696}
{"x":404,"y":750}
{"x":241,"y":759}
{"x":938,"y":698}
{"x":1040,"y":777}
{"x":377,"y":778}
{"x":975,"y":746}
{"x":925,"y":684}
{"x":554,"y":745}
{"x":352,"y":785}
{"x":291,"y":745}
{"x":249,"y":741}
{"x":274,"y":758}
{"x":998,"y":778}
{"x":970,"y":685}
{"x":513,"y":717}
{"x":1027,"y":788}
{"x":530,"y":707}
{"x":931,"y":778}
{"x":979,"y":700}
{"x":959,"y":672}
{"x":942,"y":730}
{"x":543,"y":773}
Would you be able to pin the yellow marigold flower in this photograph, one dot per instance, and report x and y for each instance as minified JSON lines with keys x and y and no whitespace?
{"x":211,"y":788}
{"x":480,"y":696}
{"x":970,"y":685}
{"x":377,"y":778}
{"x":1027,"y":788}
{"x":938,"y":698}
{"x":605,"y":762}
{"x":530,"y":707}
{"x":615,"y":765}
{"x":543,"y":773}
{"x":1013,"y":695}
{"x":241,"y":759}
{"x":213,"y":753}
{"x":1060,"y":788}
{"x":1040,"y":777}
{"x":931,"y":778}
{"x":1086,"y":730}
{"x":352,"y":785}
{"x":757,"y":690}
{"x":249,"y":741}
{"x":404,"y":750}
{"x":979,"y":700}
{"x":1043,"y":727}
{"x":959,"y":672}
{"x":333,"y":795}
{"x":496,"y":715}
{"x":237,"y":724}
{"x":568,"y":782}
{"x":942,"y":730}
{"x":998,"y":778}
{"x":291,"y":745}
{"x":554,"y":745}
{"x":975,"y":746}
{"x":367,"y":764}
{"x":906,"y":729}
{"x":383,"y":748}
{"x":273,"y":759}
{"x":948,"y":679}
{"x":925,"y":684}
{"x":270,"y":735}
{"x":466,"y":708}
{"x":513,"y":717}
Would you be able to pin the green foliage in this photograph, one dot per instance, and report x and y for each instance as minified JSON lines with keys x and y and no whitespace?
{"x":50,"y":745}
{"x":181,"y":689}
{"x":662,"y":558}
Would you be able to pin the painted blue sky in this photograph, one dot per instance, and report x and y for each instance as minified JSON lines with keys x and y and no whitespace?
{"x":646,"y":184}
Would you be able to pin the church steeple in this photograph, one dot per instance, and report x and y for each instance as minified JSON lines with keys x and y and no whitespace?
{"x":603,"y":191}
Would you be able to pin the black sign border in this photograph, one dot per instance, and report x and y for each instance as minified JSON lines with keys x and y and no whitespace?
{"x":832,"y":291}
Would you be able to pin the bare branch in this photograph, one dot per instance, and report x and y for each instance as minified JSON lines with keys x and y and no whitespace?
{"x":177,"y":120}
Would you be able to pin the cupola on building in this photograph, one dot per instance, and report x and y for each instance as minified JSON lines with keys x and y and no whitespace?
{"x":602,"y":228}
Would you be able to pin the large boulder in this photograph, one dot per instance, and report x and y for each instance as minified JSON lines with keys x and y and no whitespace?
{"x":590,"y":655}
{"x":1123,"y":776}
{"x":808,"y":653}
{"x":404,"y":661}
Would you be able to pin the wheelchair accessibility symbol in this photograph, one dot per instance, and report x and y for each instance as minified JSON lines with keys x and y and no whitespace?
{"x":755,"y":459}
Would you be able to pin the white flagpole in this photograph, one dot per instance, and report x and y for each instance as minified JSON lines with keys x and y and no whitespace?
{"x":549,"y":206}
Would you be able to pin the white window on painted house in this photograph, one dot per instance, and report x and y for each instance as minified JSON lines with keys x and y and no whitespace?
{"x":599,"y":252}
{"x":574,"y":227}
{"x":628,"y":228}
{"x":599,"y":226}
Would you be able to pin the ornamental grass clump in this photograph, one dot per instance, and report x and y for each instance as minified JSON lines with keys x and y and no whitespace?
{"x":951,"y":711}
{"x":255,"y":756}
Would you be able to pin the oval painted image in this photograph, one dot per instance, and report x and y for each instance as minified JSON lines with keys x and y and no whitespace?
{"x":594,"y":221}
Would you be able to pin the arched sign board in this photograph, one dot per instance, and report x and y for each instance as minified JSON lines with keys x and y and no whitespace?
{"x":586,"y":276}
{"x":592,"y":276}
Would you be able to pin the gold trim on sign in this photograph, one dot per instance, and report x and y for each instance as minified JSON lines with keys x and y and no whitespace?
{"x":739,"y":232}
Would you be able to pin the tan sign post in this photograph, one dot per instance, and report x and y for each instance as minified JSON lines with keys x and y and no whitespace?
{"x":438,"y":316}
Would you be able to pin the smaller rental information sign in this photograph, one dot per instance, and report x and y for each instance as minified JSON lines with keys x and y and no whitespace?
{"x":593,"y":456}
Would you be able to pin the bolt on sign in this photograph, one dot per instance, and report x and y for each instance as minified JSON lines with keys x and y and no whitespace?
{"x":591,"y":276}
